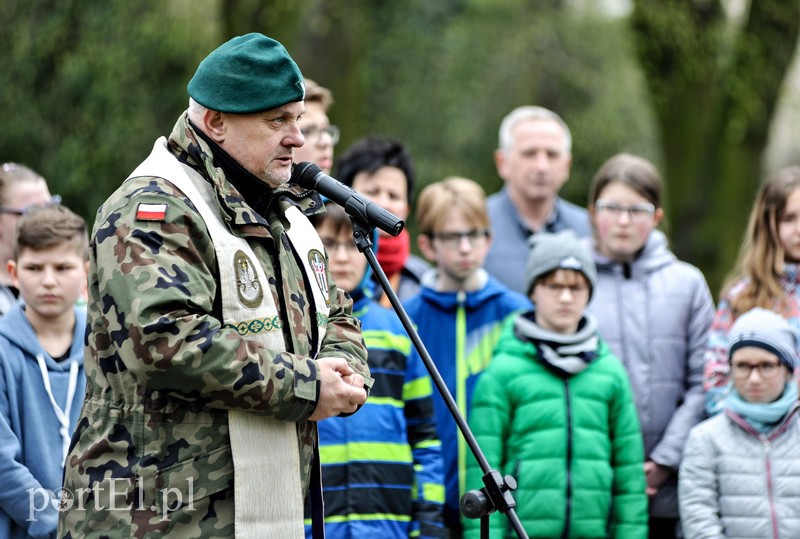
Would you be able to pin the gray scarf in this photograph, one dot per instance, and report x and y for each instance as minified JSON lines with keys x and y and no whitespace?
{"x":567,"y":354}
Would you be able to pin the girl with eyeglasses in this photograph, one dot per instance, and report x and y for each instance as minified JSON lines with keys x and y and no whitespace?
{"x":740,"y":475}
{"x":767,"y":275}
{"x":655,"y":312}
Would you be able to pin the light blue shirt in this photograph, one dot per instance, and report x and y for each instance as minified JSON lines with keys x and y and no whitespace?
{"x":508,"y":254}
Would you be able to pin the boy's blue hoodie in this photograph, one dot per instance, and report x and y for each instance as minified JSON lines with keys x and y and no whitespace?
{"x":460,"y":331}
{"x":31,"y":450}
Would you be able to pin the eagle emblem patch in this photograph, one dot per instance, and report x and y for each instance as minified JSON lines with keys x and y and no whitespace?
{"x":249,"y":289}
{"x":318,"y":265}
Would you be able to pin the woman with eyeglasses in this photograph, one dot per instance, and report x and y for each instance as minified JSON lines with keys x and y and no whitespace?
{"x":655,"y":312}
{"x":21,"y":188}
{"x":320,"y":136}
{"x":740,"y":475}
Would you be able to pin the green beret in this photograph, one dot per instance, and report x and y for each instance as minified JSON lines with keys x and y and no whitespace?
{"x":249,"y":73}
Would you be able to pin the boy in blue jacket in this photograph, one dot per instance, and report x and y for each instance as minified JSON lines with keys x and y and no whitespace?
{"x":382,"y":467}
{"x":41,"y":368}
{"x":458,"y":310}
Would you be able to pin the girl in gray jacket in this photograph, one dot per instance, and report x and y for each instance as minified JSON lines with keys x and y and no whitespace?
{"x":740,"y":475}
{"x":655,"y":312}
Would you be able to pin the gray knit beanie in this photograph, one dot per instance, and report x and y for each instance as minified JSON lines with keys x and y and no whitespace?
{"x":562,"y":250}
{"x":766,"y":330}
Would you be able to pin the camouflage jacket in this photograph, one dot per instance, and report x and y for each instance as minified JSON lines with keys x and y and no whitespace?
{"x":151,"y":453}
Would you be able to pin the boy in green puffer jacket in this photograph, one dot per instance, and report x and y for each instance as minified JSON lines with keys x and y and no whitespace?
{"x":555,"y":410}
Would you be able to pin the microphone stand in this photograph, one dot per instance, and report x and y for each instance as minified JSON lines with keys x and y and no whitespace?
{"x":496,"y":493}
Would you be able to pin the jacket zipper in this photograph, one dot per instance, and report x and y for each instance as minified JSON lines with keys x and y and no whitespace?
{"x":744,"y":425}
{"x":461,"y":384}
{"x":773,"y":514}
{"x":568,"y":508}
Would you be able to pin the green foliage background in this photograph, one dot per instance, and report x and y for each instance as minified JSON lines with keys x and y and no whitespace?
{"x":88,"y":85}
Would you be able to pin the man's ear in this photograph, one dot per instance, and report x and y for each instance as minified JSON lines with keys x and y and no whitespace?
{"x":500,"y":162}
{"x":214,"y":125}
{"x":425,"y":244}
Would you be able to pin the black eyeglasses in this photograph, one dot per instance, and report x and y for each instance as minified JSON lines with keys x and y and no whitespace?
{"x":55,"y":199}
{"x":742,"y":371}
{"x":452,"y":240}
{"x":557,"y":289}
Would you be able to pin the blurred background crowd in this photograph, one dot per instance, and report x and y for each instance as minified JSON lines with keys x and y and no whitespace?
{"x":708,"y":91}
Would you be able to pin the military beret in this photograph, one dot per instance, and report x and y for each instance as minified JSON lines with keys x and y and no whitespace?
{"x":249,"y":73}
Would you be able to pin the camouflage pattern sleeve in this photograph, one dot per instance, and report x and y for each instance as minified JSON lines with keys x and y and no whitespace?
{"x":153,"y":314}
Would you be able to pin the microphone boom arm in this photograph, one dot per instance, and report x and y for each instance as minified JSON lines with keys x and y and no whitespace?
{"x":357,"y":206}
{"x":496,"y":494}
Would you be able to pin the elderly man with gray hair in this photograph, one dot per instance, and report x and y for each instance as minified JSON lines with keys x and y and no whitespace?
{"x":533,"y":159}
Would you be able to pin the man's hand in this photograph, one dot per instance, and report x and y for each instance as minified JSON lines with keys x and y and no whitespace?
{"x":341,"y":389}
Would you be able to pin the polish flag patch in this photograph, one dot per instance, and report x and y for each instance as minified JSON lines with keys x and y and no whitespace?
{"x":151,"y":212}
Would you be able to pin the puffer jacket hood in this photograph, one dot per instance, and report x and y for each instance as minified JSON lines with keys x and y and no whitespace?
{"x":654,"y":256}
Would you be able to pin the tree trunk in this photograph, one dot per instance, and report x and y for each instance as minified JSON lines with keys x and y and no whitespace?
{"x":714,"y":89}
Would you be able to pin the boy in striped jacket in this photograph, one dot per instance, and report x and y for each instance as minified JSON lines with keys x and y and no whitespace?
{"x":381,"y":468}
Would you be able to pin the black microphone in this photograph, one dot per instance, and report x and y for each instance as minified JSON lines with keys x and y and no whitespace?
{"x":309,"y":176}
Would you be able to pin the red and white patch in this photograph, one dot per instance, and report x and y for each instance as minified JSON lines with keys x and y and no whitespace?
{"x":151,"y":212}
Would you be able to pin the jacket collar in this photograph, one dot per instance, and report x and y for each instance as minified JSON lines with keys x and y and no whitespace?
{"x":489,"y":289}
{"x":654,"y":255}
{"x":234,"y":185}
